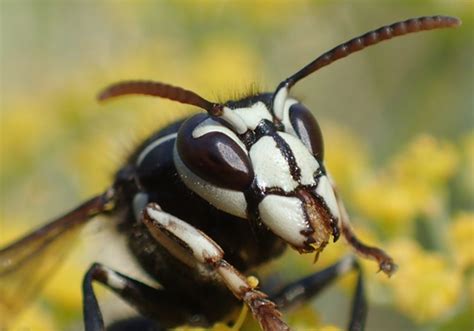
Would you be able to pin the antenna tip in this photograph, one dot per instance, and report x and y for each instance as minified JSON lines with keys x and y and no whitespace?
{"x":101,"y":97}
{"x":104,"y":95}
{"x":114,"y":90}
{"x":452,"y":21}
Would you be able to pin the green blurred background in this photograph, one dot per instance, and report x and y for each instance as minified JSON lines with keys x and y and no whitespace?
{"x":397,"y":120}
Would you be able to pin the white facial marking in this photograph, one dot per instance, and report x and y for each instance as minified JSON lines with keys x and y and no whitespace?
{"x":154,"y":144}
{"x":286,"y":116}
{"x":285,"y":217}
{"x":253,"y":115}
{"x":279,"y":102}
{"x":202,"y":246}
{"x":326,"y":192}
{"x":210,"y":125}
{"x":140,"y":200}
{"x":232,"y":202}
{"x":233,"y":119}
{"x":270,"y":167}
{"x":304,"y":159}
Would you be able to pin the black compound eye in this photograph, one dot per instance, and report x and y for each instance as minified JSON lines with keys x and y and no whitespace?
{"x":214,"y":156}
{"x":307,"y":129}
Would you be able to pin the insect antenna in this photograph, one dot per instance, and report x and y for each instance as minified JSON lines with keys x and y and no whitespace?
{"x":356,"y":44}
{"x":160,"y":90}
{"x":173,"y":93}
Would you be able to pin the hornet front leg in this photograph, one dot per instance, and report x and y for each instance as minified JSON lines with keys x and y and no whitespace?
{"x":191,"y":245}
{"x":385,"y":262}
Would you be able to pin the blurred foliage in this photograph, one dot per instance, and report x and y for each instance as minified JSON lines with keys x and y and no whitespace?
{"x":397,"y":120}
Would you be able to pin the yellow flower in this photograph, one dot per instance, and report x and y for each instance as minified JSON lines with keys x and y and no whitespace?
{"x":24,"y":130}
{"x":91,"y":161}
{"x":63,"y":289}
{"x":425,"y":287}
{"x":412,"y":184}
{"x":427,"y":161}
{"x":466,"y":178}
{"x":302,"y":318}
{"x":346,"y":158}
{"x":329,"y":328}
{"x":35,"y":319}
{"x":461,"y":235}
{"x":386,"y":202}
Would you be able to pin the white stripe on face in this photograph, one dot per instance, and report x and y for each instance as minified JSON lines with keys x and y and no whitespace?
{"x":286,"y":116}
{"x":270,"y":167}
{"x":253,"y":115}
{"x":279,"y":102}
{"x":232,"y":202}
{"x":209,"y":125}
{"x":326,"y":192}
{"x":306,"y":162}
{"x":285,"y":217}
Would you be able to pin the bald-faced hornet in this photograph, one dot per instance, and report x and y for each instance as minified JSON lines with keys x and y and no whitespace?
{"x":207,"y":199}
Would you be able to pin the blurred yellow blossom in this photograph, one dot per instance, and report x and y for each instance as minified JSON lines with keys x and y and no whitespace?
{"x":386,"y":201}
{"x":346,"y":157}
{"x":59,"y":290}
{"x":36,"y":318}
{"x":425,"y":287}
{"x":411,"y":185}
{"x":466,"y":176}
{"x":329,"y":328}
{"x":461,"y":238}
{"x":303,"y":318}
{"x":23,"y":132}
{"x":256,"y":12}
{"x":426,"y":161}
{"x":92,"y":162}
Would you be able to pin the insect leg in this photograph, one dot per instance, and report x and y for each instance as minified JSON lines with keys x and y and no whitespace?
{"x":156,"y":303}
{"x":386,"y":263}
{"x":196,"y":249}
{"x":304,"y":289}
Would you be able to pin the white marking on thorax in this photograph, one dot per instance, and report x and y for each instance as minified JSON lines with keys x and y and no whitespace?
{"x":140,"y":200}
{"x":285,"y":217}
{"x":270,"y":167}
{"x":115,"y":281}
{"x":254,"y":114}
{"x":326,"y":192}
{"x":232,"y":202}
{"x":209,"y":125}
{"x":304,"y":159}
{"x":154,"y":144}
